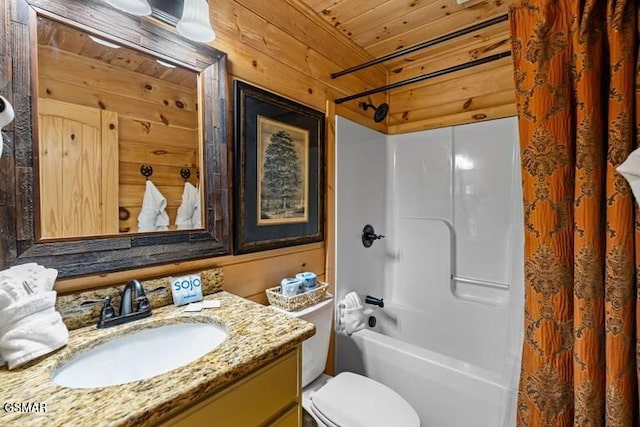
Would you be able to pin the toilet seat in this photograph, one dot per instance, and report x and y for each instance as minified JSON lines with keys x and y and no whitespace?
{"x":351,"y":400}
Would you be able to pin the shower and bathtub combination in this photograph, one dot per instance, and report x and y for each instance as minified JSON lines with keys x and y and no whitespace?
{"x":449,"y":269}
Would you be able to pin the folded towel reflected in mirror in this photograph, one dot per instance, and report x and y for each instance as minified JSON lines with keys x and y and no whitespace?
{"x":30,"y":326}
{"x":189,"y":211}
{"x":153,"y":215}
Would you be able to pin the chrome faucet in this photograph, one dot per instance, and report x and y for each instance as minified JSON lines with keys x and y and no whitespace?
{"x":134,"y":305}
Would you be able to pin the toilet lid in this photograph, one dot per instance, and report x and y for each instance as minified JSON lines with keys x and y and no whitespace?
{"x":351,"y":400}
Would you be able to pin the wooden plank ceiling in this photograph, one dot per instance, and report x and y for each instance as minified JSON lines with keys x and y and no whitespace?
{"x":385,"y":26}
{"x":382,"y":27}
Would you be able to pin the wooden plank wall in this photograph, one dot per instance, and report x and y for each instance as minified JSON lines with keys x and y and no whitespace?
{"x":146,"y":122}
{"x":78,"y":151}
{"x":279,"y":46}
{"x":479,"y":93}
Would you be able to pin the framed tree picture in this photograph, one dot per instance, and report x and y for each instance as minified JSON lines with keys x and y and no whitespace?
{"x":278,"y":171}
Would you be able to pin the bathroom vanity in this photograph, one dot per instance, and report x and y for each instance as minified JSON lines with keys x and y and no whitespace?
{"x":278,"y":386}
{"x":251,"y":378}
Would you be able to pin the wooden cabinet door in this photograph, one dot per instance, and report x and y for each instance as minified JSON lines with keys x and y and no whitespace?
{"x":291,"y":418}
{"x":271,"y":392}
{"x":78,"y":170}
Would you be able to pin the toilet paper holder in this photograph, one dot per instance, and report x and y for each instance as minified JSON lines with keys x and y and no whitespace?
{"x":6,"y":112}
{"x":6,"y":116}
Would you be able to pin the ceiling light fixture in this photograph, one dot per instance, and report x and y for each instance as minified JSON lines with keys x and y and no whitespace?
{"x":195,"y":24}
{"x":134,"y":7}
{"x":104,"y":42}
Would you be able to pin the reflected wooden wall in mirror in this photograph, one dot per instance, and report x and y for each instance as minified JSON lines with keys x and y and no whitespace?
{"x":54,"y":61}
{"x":106,"y":114}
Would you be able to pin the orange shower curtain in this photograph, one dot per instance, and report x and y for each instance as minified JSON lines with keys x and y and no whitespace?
{"x":578,"y":86}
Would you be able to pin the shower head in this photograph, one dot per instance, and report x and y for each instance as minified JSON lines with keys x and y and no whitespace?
{"x":380,"y":111}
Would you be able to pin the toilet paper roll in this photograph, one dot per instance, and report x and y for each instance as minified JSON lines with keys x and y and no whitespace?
{"x":6,"y":115}
{"x":6,"y":112}
{"x":290,"y":287}
{"x":308,"y":279}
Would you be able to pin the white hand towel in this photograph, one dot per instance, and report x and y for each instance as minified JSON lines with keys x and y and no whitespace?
{"x":630,"y":170}
{"x":30,"y":327}
{"x":351,"y":313}
{"x":353,"y":320}
{"x":352,"y":301}
{"x":25,"y":306}
{"x":39,"y":278}
{"x":33,"y":336}
{"x":12,"y":287}
{"x":153,"y":215}
{"x":190,"y":200}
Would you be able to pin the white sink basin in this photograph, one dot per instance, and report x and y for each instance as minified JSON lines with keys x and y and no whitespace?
{"x":140,"y":355}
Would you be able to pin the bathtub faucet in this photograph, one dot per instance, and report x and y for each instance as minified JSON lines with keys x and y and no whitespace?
{"x":374,"y":301}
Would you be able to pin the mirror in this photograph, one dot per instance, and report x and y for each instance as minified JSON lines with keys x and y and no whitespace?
{"x":118,"y":138}
{"x":123,"y":97}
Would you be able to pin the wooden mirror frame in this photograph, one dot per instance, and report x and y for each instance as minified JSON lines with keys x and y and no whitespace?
{"x":19,"y":216}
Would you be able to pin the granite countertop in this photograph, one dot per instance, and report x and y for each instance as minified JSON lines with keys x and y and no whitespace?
{"x":256,"y":336}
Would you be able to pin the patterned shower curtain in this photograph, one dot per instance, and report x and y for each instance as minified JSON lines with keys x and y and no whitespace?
{"x":578,"y":86}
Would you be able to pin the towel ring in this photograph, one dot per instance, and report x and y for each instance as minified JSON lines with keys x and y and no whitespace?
{"x":146,"y":171}
{"x":185,"y":173}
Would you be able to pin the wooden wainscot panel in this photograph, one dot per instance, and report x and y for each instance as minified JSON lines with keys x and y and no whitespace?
{"x":251,"y":279}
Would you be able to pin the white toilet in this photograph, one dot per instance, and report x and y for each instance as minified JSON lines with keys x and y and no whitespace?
{"x":347,"y":400}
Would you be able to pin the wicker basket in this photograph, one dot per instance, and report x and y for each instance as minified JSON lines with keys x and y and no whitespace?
{"x":299,"y":301}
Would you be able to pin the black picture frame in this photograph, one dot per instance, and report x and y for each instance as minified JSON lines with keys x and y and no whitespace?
{"x":273,"y":134}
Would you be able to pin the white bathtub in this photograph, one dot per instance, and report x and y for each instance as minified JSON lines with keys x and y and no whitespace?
{"x":445,"y":391}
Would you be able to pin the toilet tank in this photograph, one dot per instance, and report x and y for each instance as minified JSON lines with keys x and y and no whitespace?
{"x":316,"y":348}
